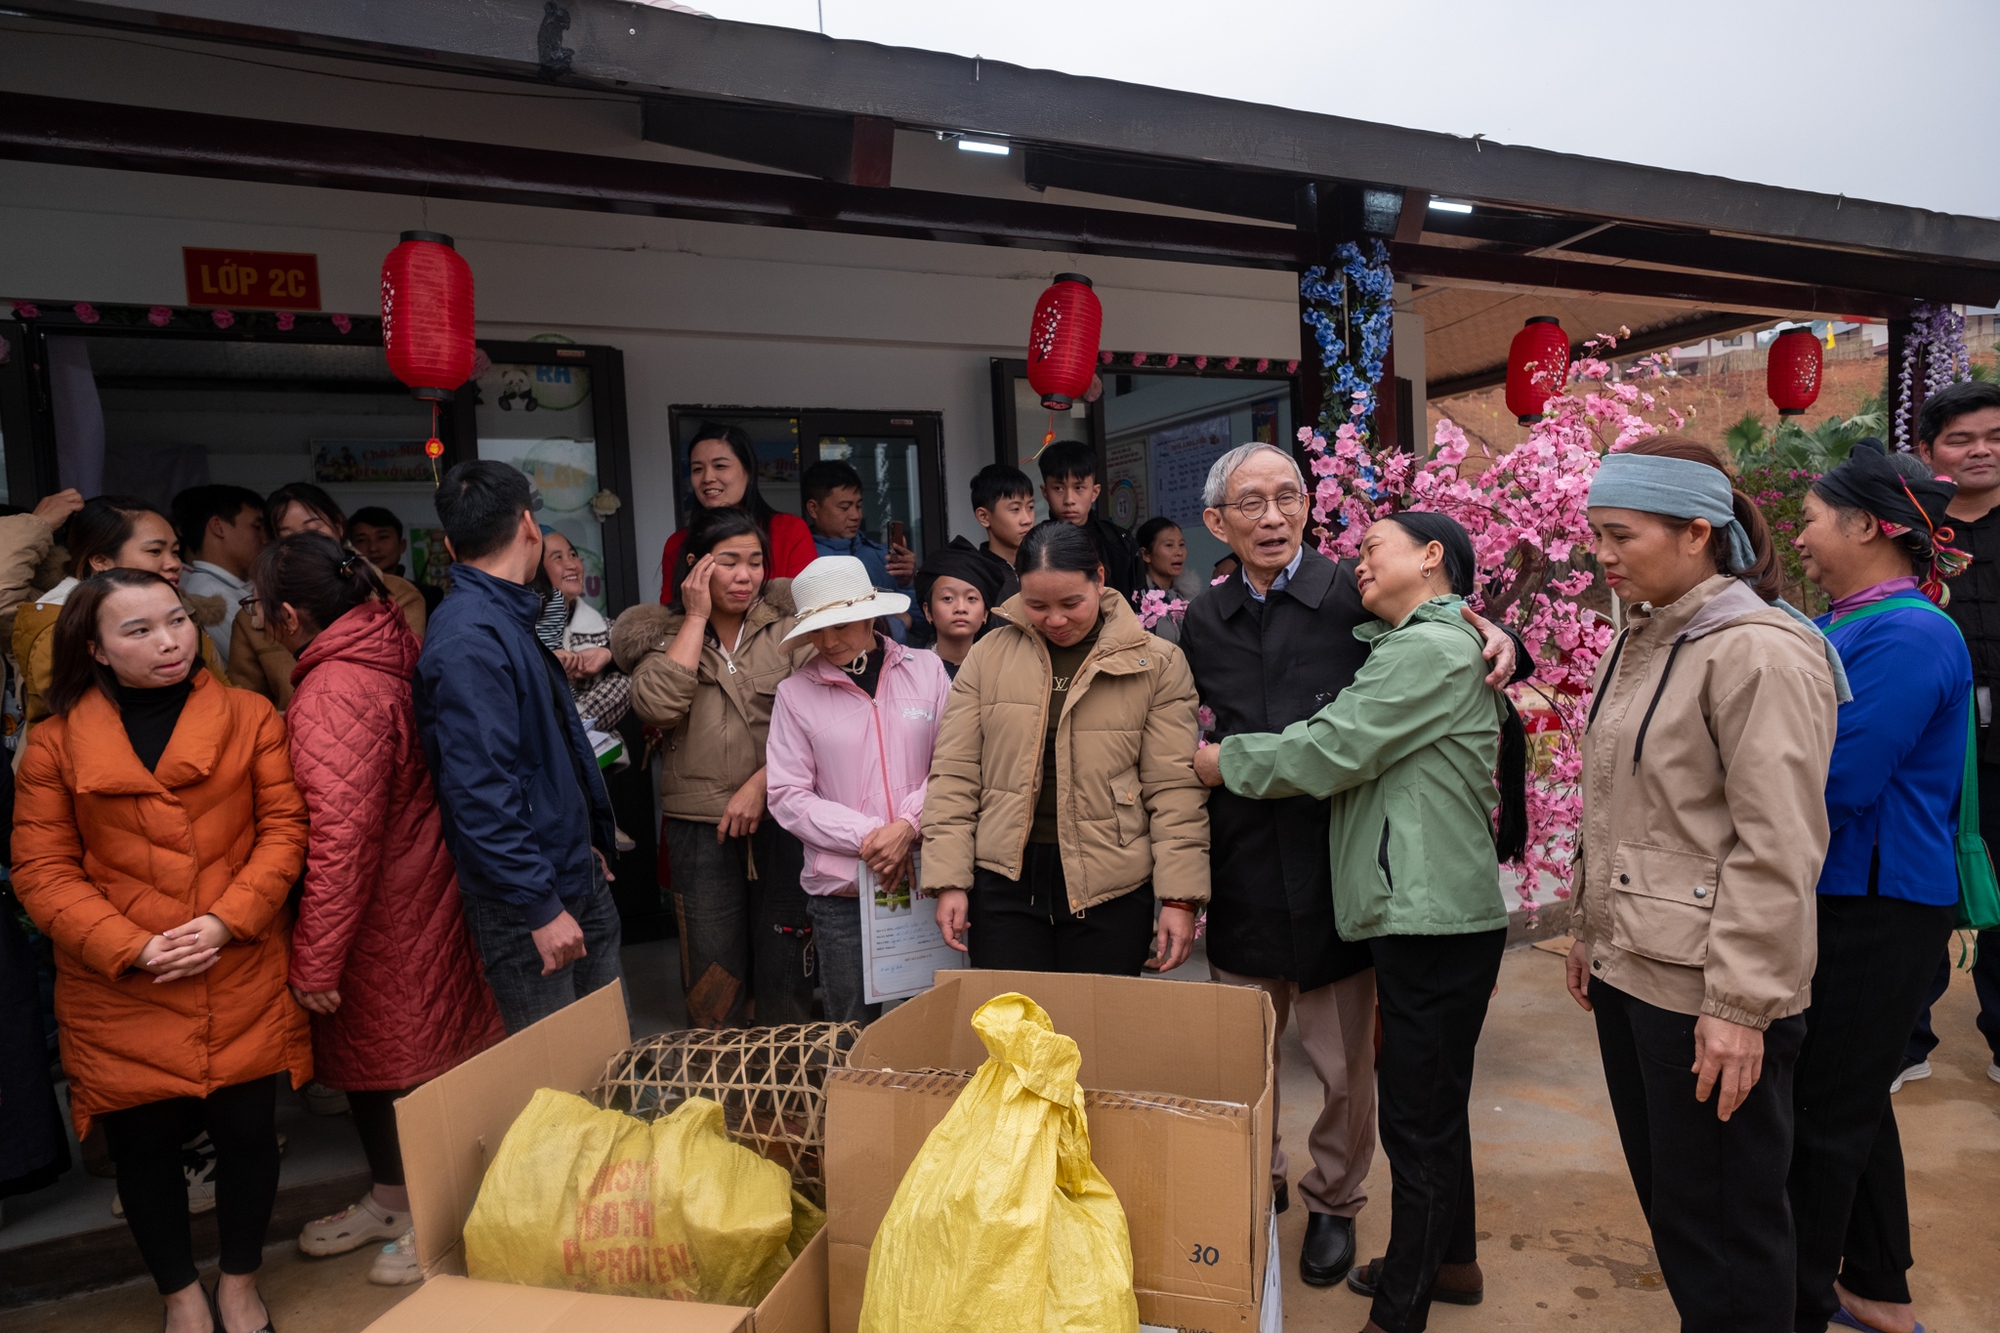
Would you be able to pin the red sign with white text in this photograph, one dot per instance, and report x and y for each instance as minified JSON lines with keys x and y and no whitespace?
{"x":251,"y":279}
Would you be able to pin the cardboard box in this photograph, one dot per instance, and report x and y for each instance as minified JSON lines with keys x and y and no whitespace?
{"x":451,"y":1127}
{"x":1177,"y":1086}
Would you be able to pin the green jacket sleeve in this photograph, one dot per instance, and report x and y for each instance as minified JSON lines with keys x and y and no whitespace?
{"x":1404,"y":698}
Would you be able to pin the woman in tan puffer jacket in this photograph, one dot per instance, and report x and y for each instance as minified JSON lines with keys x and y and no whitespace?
{"x":1063,"y":782}
{"x":705,"y":670}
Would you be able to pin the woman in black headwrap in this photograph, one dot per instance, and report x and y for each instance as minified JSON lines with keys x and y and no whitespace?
{"x":956,"y":588}
{"x":1874,"y":540}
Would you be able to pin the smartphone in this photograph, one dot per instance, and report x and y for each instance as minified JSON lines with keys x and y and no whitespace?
{"x":896,"y":537}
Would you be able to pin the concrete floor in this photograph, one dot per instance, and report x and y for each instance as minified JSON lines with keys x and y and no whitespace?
{"x":1563,"y":1242}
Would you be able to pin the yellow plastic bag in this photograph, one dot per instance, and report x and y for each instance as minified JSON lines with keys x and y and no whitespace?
{"x":1003,"y":1222}
{"x":592,"y":1200}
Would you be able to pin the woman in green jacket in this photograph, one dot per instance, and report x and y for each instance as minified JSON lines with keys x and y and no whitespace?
{"x":1406,"y":754}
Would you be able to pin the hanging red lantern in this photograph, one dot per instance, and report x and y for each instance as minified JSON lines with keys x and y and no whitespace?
{"x":1537,"y":365}
{"x":1062,"y":341}
{"x":427,"y":315}
{"x":1791,"y":374}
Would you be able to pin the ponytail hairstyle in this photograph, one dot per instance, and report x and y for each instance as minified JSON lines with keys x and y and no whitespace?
{"x":1461,"y":568}
{"x":101,"y":528}
{"x":75,"y":668}
{"x":708,"y":530}
{"x":322,"y":580}
{"x":1765,"y":573}
{"x":1059,"y":545}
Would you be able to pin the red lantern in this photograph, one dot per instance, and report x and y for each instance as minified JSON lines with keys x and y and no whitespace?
{"x":1791,"y":374}
{"x":427,"y":314}
{"x":1537,"y":365}
{"x":1062,"y":341}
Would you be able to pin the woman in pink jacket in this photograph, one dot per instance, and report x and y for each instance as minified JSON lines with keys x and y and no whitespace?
{"x":849,"y":753}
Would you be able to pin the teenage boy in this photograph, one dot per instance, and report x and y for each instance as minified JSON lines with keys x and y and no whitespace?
{"x":1070,"y":485}
{"x":378,"y":535}
{"x":221,"y":530}
{"x":525,"y":812}
{"x":1958,"y":436}
{"x":1003,"y":500}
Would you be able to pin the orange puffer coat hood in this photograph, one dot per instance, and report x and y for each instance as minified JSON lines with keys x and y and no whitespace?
{"x":107,"y":855}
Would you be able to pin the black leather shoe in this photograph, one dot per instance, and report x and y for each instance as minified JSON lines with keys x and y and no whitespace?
{"x":1328,"y":1253}
{"x":1281,"y":1198}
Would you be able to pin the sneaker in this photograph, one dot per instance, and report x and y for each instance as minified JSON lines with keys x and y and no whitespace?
{"x":352,"y":1227}
{"x":1921,"y":1069}
{"x":396,"y":1265}
{"x":322,"y":1100}
{"x":1993,"y":1071}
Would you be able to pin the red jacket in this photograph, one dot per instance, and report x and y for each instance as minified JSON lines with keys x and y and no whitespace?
{"x":380,"y":921}
{"x":792,"y":549}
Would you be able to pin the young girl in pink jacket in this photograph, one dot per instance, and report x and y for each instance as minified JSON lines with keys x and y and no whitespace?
{"x":848,"y":756}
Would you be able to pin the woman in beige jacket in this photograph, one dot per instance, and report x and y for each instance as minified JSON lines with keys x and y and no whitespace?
{"x":1063,"y":782}
{"x":1704,"y":824}
{"x":705,"y":670}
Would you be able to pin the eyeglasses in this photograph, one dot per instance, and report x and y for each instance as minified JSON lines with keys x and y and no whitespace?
{"x":1290,"y":503}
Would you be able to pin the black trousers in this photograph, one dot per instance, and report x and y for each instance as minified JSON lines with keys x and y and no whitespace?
{"x":1713,"y":1192}
{"x":375,"y":1121}
{"x":1876,"y":956}
{"x":146,"y":1142}
{"x":1025,"y":925}
{"x":745,"y":937}
{"x":1433,"y":991}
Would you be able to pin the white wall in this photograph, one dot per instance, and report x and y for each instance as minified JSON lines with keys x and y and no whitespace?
{"x":704,"y":313}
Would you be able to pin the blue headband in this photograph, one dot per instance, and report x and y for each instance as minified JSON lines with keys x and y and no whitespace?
{"x":1677,"y":488}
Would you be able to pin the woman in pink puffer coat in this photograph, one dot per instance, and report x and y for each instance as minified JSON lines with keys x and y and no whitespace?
{"x":848,"y":756}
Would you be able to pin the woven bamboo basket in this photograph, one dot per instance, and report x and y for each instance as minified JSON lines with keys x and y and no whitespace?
{"x":770,"y":1081}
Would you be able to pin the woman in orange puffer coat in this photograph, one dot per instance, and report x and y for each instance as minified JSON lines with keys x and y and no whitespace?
{"x":381,"y":955}
{"x":156,"y":833}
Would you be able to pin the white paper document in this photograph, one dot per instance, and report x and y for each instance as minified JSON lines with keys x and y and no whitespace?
{"x":900,"y":943}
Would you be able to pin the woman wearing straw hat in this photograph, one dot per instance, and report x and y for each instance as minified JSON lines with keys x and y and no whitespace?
{"x":1063,"y":805}
{"x":851,"y":738}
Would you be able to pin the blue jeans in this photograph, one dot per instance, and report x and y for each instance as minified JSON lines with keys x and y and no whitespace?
{"x":836,"y":941}
{"x":514,"y":964}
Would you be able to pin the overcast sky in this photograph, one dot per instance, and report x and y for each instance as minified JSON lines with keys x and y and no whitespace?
{"x":1891,"y":100}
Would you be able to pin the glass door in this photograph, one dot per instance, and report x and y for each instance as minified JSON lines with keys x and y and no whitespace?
{"x":897,"y":458}
{"x":898,"y":454}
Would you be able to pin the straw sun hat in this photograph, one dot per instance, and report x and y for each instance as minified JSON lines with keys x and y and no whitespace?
{"x":836,"y":590}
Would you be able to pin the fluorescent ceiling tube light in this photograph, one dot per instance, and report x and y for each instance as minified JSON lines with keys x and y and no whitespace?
{"x":981,"y":146}
{"x":1446,"y":206}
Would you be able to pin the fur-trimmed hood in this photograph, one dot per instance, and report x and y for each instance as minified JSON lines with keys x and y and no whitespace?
{"x":648,"y":629}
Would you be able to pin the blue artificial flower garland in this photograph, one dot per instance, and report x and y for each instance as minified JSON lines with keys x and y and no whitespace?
{"x":1356,"y":303}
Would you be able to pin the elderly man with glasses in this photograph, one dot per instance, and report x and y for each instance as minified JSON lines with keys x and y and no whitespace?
{"x":1271,"y":645}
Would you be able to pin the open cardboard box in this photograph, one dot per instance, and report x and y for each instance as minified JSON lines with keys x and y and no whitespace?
{"x":450,"y":1129}
{"x":1177,"y":1086}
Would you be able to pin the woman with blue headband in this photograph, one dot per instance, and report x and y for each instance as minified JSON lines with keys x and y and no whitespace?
{"x":1704,"y":826}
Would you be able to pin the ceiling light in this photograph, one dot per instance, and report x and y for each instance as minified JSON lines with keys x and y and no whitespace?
{"x":983,"y":146}
{"x":1446,"y":206}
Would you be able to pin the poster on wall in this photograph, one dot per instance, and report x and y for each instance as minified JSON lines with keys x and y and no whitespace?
{"x":1178,"y":460}
{"x":1125,"y":481}
{"x":1264,"y":422}
{"x":338,"y":461}
{"x":565,"y":472}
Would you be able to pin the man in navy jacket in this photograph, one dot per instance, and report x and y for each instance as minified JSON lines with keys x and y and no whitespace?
{"x":525,"y":811}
